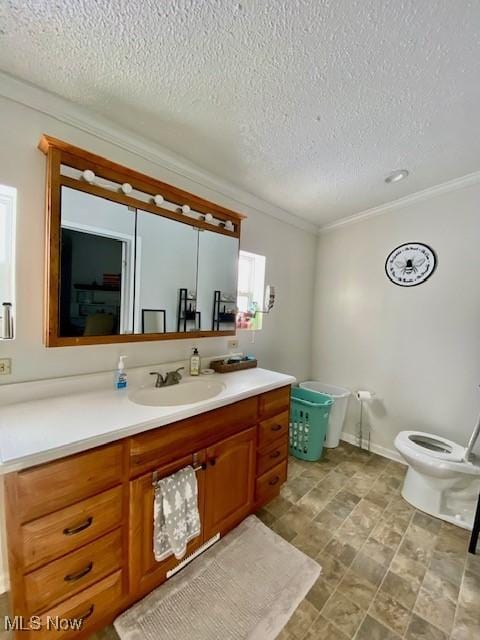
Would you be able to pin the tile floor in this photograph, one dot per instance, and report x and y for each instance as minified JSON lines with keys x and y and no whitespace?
{"x":389,"y":571}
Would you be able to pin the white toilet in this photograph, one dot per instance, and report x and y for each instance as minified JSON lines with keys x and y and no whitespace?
{"x":439,"y":480}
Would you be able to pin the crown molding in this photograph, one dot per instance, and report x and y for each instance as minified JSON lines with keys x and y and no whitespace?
{"x":95,"y":125}
{"x":420,"y":196}
{"x":81,"y":118}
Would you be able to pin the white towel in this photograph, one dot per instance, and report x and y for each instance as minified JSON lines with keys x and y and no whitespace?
{"x":175,"y":513}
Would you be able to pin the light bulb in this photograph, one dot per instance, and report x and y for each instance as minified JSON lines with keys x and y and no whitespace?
{"x":127,"y":187}
{"x":208,"y":217}
{"x":185,"y":208}
{"x":88,"y":176}
{"x":158,"y":199}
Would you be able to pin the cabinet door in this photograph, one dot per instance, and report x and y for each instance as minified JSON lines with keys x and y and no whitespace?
{"x":230,"y":478}
{"x":145,"y":572}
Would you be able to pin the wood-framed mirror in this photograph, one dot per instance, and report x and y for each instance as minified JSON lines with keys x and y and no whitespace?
{"x":130,"y":258}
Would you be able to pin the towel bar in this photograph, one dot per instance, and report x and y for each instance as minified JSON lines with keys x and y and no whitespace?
{"x":196,"y":467}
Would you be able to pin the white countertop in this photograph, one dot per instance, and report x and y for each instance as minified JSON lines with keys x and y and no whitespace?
{"x":46,"y":428}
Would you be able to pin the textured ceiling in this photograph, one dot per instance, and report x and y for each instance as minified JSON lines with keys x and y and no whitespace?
{"x":305,"y":103}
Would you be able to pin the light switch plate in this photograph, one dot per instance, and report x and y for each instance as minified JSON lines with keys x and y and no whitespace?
{"x":232,"y":344}
{"x":5,"y":366}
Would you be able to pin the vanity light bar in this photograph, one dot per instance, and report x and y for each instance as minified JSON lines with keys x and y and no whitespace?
{"x":89,"y":176}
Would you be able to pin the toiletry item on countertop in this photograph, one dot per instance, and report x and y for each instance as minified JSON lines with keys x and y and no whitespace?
{"x":120,"y":374}
{"x":195,"y":363}
{"x":235,"y":363}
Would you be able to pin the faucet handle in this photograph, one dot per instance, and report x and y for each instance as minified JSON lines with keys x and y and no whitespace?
{"x":160,"y":380}
{"x":176,"y":375}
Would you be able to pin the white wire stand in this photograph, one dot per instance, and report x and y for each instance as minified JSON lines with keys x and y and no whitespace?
{"x":363,"y":429}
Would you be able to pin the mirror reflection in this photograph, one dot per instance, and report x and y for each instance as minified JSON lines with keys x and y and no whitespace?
{"x":96,"y":271}
{"x":166,"y":266}
{"x":125,"y":270}
{"x":217,"y":280}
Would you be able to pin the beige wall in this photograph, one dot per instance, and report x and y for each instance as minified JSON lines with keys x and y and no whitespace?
{"x":417,"y":348}
{"x":284,"y":344}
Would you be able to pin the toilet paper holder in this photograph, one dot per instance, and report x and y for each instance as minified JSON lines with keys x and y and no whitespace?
{"x":362,"y":396}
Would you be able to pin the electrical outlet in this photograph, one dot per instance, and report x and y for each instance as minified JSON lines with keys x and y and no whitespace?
{"x":5,"y":366}
{"x":232,"y":344}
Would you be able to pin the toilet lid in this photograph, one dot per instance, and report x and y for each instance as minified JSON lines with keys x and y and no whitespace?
{"x":434,"y":446}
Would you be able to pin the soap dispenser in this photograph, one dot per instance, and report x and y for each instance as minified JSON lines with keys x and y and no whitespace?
{"x":120,"y":374}
{"x":195,"y":363}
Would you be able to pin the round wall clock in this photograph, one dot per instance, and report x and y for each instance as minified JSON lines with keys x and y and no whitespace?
{"x":410,"y":264}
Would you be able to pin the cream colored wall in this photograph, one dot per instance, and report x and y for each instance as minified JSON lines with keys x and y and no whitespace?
{"x":417,"y":348}
{"x":283,"y":345}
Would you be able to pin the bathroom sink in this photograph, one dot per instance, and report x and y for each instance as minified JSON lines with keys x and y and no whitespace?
{"x":184,"y":393}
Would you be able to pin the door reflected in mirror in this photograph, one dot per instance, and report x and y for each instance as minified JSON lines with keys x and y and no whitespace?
{"x":217,"y":281}
{"x":97,"y":270}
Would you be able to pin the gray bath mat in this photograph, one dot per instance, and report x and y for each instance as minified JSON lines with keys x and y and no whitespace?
{"x":246,"y":586}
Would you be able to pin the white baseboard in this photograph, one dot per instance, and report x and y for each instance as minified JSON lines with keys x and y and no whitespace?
{"x":375,"y":448}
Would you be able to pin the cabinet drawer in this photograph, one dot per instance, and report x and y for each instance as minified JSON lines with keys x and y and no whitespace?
{"x":159,"y":447}
{"x":51,"y":486}
{"x":63,"y":531}
{"x":273,"y":429}
{"x":86,"y":609}
{"x":268,"y":485}
{"x":274,"y":402}
{"x":274,"y":455}
{"x":63,"y":578}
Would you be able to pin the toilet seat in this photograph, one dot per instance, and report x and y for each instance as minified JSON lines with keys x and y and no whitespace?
{"x":432,"y":445}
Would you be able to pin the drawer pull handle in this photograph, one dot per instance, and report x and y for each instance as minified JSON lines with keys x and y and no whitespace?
{"x":276,"y":427}
{"x":274,"y":454}
{"x":71,"y":531}
{"x":73,"y":577}
{"x":85,"y":615}
{"x":274,"y":481}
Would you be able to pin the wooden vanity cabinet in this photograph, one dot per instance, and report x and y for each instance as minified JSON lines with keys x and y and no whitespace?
{"x":80,"y":529}
{"x":145,"y":572}
{"x":230,"y":482}
{"x":226,"y":482}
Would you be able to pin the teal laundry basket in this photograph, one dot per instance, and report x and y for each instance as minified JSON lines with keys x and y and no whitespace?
{"x":308,"y":423}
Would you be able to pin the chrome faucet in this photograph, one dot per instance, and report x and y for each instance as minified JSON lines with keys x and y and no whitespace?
{"x":171,"y":377}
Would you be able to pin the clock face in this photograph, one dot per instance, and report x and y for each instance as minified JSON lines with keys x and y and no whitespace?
{"x":410,"y":264}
